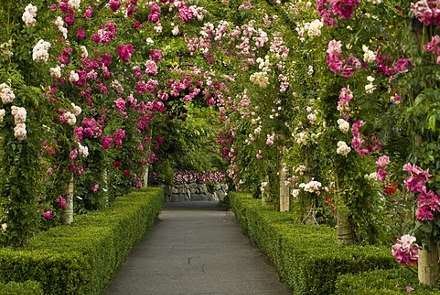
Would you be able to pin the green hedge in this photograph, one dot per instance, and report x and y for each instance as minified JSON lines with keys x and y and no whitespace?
{"x":25,"y":288}
{"x":308,"y":258}
{"x":81,"y":258}
{"x":387,"y":282}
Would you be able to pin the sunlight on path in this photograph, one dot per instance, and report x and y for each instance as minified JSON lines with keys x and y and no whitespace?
{"x":196,"y":252}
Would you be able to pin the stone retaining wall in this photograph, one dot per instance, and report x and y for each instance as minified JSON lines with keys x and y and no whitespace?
{"x":197,"y":192}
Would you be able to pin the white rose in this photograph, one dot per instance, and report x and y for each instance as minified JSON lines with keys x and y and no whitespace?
{"x":343,"y":149}
{"x":20,"y":132}
{"x":343,"y":125}
{"x":6,"y":94}
{"x":74,"y":77}
{"x":55,"y":72}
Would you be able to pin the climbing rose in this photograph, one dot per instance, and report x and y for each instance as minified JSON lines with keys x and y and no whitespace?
{"x":61,"y":202}
{"x":406,"y":251}
{"x":418,"y":178}
{"x":125,"y":51}
{"x":48,"y":215}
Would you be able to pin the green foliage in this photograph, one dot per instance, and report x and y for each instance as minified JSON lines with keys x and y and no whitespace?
{"x":386,"y":282}
{"x":25,"y":288}
{"x":81,"y":259}
{"x":307,"y":257}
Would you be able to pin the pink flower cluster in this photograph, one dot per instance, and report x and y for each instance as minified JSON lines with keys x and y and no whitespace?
{"x":427,"y":11}
{"x":89,"y":128}
{"x":433,"y":46}
{"x":182,"y":177}
{"x":105,"y":34}
{"x":386,"y":67}
{"x":428,"y":201}
{"x":358,"y":143}
{"x":331,"y":10}
{"x":336,"y":62}
{"x":381,"y":167}
{"x":115,"y":140}
{"x":345,"y":96}
{"x":406,"y":251}
{"x":154,"y":15}
{"x":125,"y":52}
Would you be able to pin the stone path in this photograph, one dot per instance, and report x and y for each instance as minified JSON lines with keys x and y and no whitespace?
{"x":196,"y":252}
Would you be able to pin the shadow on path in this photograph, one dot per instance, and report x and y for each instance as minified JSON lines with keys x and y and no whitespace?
{"x":196,"y":252}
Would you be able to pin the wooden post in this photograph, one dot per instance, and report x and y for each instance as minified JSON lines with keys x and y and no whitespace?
{"x":68,"y":212}
{"x":428,"y":265}
{"x":284,"y":190}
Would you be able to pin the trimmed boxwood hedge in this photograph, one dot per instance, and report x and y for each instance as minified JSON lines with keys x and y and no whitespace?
{"x":81,"y":258}
{"x":387,"y":282}
{"x":308,"y":257}
{"x":25,"y":288}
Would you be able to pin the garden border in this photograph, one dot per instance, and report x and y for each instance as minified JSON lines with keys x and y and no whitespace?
{"x":82,"y":258}
{"x":308,"y":257}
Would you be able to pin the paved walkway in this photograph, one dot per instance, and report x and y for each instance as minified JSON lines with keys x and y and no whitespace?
{"x":196,"y":252}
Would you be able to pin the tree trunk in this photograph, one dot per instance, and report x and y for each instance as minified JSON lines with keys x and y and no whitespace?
{"x":68,"y":212}
{"x":284,"y":190}
{"x":146,"y":172}
{"x":428,"y":265}
{"x":344,"y":230}
{"x":105,"y":188}
{"x":147,"y":167}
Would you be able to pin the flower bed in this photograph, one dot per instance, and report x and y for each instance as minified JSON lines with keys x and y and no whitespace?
{"x":307,"y":257}
{"x":388,"y":282}
{"x":26,"y":288}
{"x":81,"y":258}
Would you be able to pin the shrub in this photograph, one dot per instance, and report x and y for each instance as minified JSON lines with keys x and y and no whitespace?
{"x":307,"y":257}
{"x":25,"y":288}
{"x":81,"y":259}
{"x":388,"y":282}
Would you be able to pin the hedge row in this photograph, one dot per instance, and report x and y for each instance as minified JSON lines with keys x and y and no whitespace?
{"x":387,"y":282}
{"x":308,"y":258}
{"x":81,"y":258}
{"x":25,"y":288}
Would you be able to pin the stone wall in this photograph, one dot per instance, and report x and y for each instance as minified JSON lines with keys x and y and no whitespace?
{"x":197,"y":192}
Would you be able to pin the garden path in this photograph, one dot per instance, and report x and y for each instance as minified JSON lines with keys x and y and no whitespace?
{"x":196,"y":251}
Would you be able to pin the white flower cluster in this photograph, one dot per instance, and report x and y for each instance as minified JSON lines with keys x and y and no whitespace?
{"x":73,"y":77}
{"x":260,"y":79}
{"x":75,"y":4}
{"x":83,"y":151}
{"x":55,"y":72}
{"x":375,"y":2}
{"x":29,"y":15}
{"x":264,"y":63}
{"x":343,"y":149}
{"x":369,"y":55}
{"x":20,"y":115}
{"x":4,"y":227}
{"x":301,"y":137}
{"x":311,"y":29}
{"x":40,"y":53}
{"x":312,"y":115}
{"x":69,"y":118}
{"x":371,"y":176}
{"x":6,"y":93}
{"x":312,"y":186}
{"x":370,"y":87}
{"x":76,"y":109}
{"x":59,"y":23}
{"x":343,"y":125}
